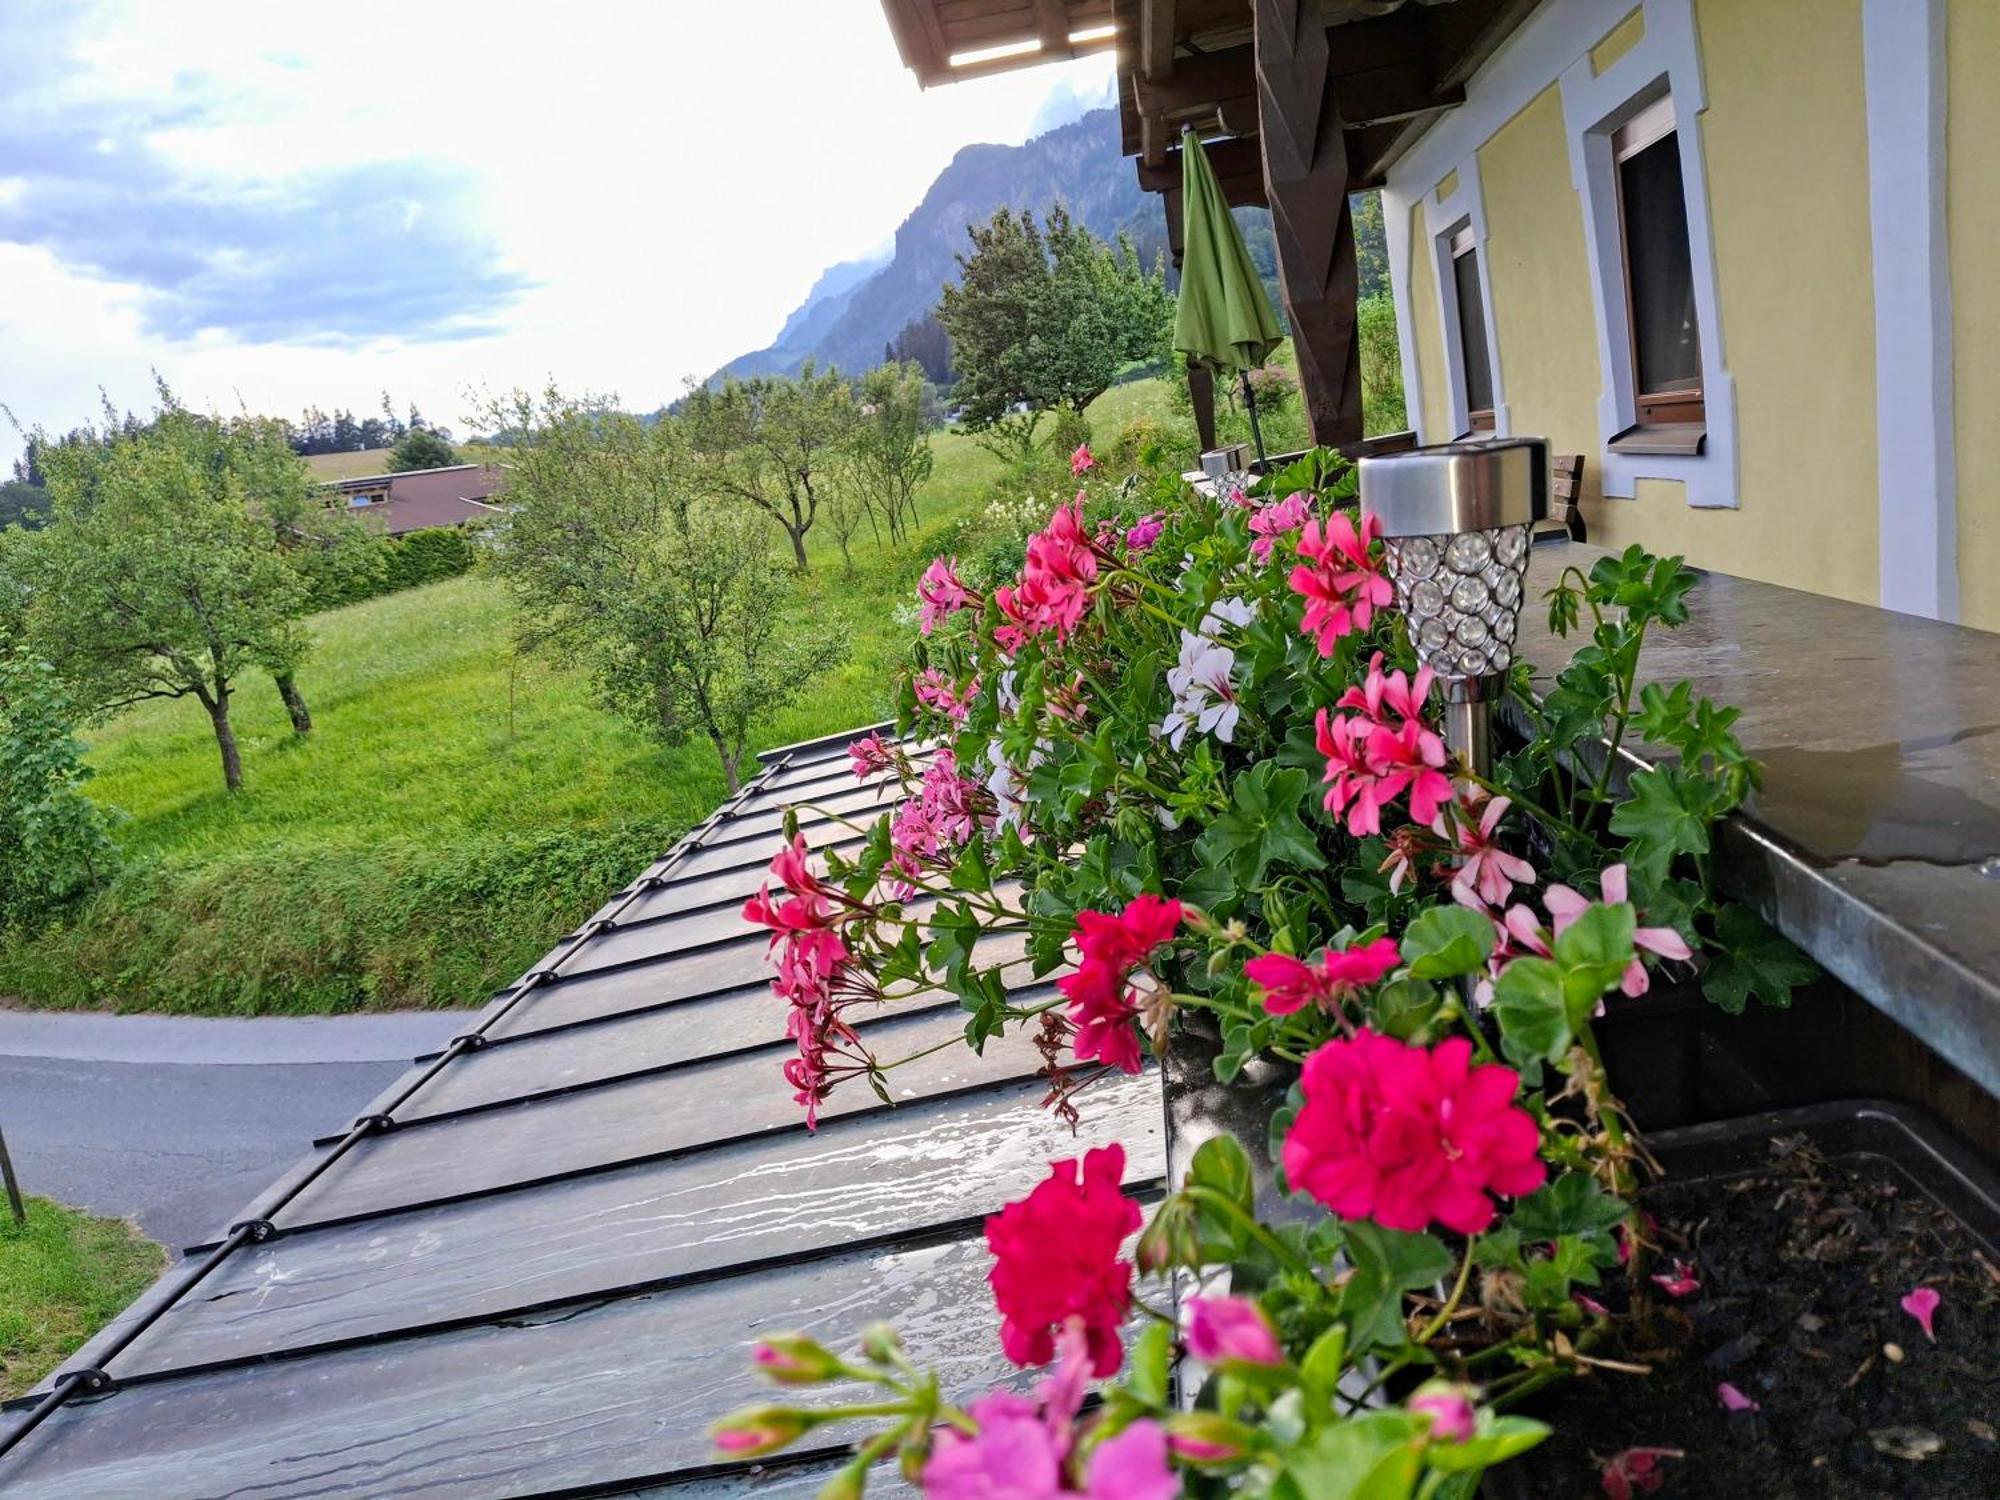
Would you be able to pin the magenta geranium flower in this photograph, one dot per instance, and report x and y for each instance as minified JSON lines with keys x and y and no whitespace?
{"x":1080,"y":462}
{"x":1290,"y":984}
{"x":1410,"y":1136}
{"x":1101,"y":1004}
{"x":1056,"y":1258}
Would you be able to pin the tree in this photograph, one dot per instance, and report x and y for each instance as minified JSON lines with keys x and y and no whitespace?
{"x":770,"y":442}
{"x":889,"y":453}
{"x":665,"y":591}
{"x":420,"y":448}
{"x":54,"y":836}
{"x":22,"y":504}
{"x":155,"y":579}
{"x":1042,"y":319}
{"x":334,"y":553}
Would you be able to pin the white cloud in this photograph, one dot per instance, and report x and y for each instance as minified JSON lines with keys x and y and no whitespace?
{"x":633,"y":192}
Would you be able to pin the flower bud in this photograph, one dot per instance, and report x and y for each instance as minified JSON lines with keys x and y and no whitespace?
{"x":1204,"y":1437}
{"x":880,"y":1343}
{"x":849,"y":1484}
{"x":794,"y":1359}
{"x":757,"y":1430}
{"x":1171,"y":1239}
{"x":1231,"y":1328}
{"x":1453,"y":1409}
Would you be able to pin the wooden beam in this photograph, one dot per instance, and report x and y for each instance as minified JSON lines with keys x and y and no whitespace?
{"x":1156,"y":39}
{"x":1305,"y":179}
{"x":1052,"y":26}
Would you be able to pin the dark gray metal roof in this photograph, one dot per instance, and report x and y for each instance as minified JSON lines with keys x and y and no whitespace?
{"x":544,"y":1276}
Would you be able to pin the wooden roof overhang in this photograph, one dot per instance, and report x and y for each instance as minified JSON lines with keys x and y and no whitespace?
{"x":1299,"y":103}
{"x":1395,"y":65}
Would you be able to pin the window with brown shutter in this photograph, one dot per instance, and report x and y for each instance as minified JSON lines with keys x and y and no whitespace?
{"x":1474,"y":354}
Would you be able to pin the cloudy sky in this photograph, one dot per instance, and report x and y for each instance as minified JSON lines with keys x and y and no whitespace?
{"x":281,"y":204}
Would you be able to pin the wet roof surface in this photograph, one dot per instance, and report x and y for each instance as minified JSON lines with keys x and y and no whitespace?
{"x":545,"y":1277}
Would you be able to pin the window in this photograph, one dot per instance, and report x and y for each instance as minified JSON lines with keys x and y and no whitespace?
{"x":1473,"y":354}
{"x":1659,"y":285}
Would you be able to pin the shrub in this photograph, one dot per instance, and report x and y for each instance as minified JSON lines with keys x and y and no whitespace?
{"x":52,"y":836}
{"x":409,"y":561}
{"x":396,"y":923}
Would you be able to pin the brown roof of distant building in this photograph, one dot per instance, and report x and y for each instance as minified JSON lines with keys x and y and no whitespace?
{"x":424,"y":499}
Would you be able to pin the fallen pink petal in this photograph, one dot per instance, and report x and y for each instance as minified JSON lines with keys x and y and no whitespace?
{"x":1734,"y":1399}
{"x":1921,"y":1303}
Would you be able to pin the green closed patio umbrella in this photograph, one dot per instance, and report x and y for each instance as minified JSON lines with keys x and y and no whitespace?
{"x":1224,"y":320}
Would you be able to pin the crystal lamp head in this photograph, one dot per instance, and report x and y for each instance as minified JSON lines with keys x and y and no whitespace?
{"x":1455,"y":520}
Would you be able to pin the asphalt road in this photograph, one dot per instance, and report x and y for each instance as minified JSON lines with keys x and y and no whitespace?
{"x":178,"y":1123}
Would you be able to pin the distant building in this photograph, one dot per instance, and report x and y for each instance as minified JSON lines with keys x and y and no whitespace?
{"x":423,"y":499}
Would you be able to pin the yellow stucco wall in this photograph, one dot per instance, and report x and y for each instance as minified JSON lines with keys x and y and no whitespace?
{"x":1972,"y":37}
{"x":1618,"y":41}
{"x":1432,"y":378}
{"x":1539,"y":269}
{"x":1786,"y":146}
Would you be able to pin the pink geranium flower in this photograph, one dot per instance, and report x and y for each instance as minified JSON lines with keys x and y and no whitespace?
{"x":1290,"y":983}
{"x":1056,"y":1258}
{"x":941,"y":695}
{"x":1233,"y":1328}
{"x":1409,"y":1136}
{"x":1566,"y":905}
{"x":1080,"y":462}
{"x":870,"y":755}
{"x":942,"y":594}
{"x":1053,"y":591}
{"x":1381,"y":750}
{"x":1279,"y":519}
{"x":1341,"y":586}
{"x":1488,"y":873}
{"x":1141,"y":535}
{"x":1026,"y":1450}
{"x":1101,"y":1004}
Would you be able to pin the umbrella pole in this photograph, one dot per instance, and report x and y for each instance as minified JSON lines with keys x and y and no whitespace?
{"x":1250,"y":405}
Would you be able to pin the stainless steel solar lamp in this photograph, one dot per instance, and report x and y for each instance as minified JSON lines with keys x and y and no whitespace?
{"x":1456,"y":520}
{"x":1227,"y":468}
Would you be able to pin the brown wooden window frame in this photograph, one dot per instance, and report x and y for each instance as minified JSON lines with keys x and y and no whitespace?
{"x":1464,"y":243}
{"x":1667,"y":421}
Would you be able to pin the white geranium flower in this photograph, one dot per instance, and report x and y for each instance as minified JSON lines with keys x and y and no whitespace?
{"x":1203,"y":697}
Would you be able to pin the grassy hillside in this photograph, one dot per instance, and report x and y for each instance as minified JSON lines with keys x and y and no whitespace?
{"x":456,"y":808}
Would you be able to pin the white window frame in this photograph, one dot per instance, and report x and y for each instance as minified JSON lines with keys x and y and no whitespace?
{"x":1457,"y":219}
{"x":1655,"y":87}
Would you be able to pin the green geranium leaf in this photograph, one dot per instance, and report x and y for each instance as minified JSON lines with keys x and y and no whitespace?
{"x":1534,"y":1020}
{"x":1223,"y":1166}
{"x":1447,"y":941}
{"x":1387,"y":1263}
{"x":1497,"y":1440}
{"x":1594,"y":952}
{"x":1749,"y":958}
{"x":1665,"y":815}
{"x":1572,"y":1204}
{"x":1262,"y":826}
{"x":1370,"y":1458}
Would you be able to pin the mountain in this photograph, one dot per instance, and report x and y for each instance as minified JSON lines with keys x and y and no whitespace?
{"x":848,"y":323}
